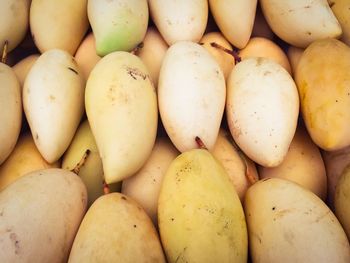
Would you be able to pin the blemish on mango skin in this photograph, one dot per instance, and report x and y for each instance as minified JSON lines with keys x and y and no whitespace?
{"x":15,"y":241}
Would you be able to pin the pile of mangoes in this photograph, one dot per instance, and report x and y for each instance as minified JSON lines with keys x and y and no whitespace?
{"x":175,"y":131}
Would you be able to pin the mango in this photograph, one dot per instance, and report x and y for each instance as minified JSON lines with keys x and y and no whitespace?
{"x":324,"y":90}
{"x":200,"y":216}
{"x":116,"y":229}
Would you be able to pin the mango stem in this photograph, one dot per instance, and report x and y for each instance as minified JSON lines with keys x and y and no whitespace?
{"x":106,"y":189}
{"x":4,"y":52}
{"x":82,"y":161}
{"x":233,"y":53}
{"x":137,"y":49}
{"x":200,"y":143}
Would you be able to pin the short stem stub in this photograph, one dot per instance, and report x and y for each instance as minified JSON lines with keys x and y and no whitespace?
{"x":136,"y":50}
{"x":200,"y":143}
{"x":4,"y":52}
{"x":82,"y":161}
{"x":106,"y":189}
{"x":233,"y":53}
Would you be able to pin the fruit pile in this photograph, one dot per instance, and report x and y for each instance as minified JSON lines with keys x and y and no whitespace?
{"x":178,"y":131}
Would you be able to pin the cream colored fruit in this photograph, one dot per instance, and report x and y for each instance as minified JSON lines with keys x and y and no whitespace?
{"x":38,"y":222}
{"x":235,"y":18}
{"x":323,"y":81}
{"x":263,"y":47}
{"x":180,"y":20}
{"x":287,"y":223}
{"x":226,"y":61}
{"x":116,"y":229}
{"x":294,"y":54}
{"x":240,"y":168}
{"x":14,"y":21}
{"x":342,"y":200}
{"x":91,"y":171}
{"x":152,"y":53}
{"x":335,"y":162}
{"x":11,"y":111}
{"x":22,"y":68}
{"x":191,"y":95}
{"x":53,"y":100}
{"x":86,"y":56}
{"x":262,"y":109}
{"x":200,"y":216}
{"x":25,"y":158}
{"x":121,"y":106}
{"x":58,"y":25}
{"x":300,"y":23}
{"x":341,"y":9}
{"x":261,"y":28}
{"x":145,"y":185}
{"x":118,"y":25}
{"x":303,"y":164}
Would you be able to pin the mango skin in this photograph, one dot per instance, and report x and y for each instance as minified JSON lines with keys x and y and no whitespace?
{"x":118,"y":25}
{"x":116,"y":229}
{"x":200,"y":216}
{"x":40,"y":214}
{"x":342,"y":200}
{"x":323,"y":81}
{"x":287,"y":223}
{"x":24,"y":158}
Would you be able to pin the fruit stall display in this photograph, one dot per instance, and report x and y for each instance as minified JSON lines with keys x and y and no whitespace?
{"x":175,"y":131}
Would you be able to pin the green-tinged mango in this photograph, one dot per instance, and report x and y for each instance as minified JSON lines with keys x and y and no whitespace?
{"x":323,"y":81}
{"x":118,"y":25}
{"x":40,"y":215}
{"x":116,"y":229}
{"x":121,"y":106}
{"x":83,"y":152}
{"x":200,"y":216}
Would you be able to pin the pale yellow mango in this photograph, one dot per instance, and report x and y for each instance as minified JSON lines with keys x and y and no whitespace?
{"x":116,"y":229}
{"x":200,"y":216}
{"x":180,"y":20}
{"x":11,"y":111}
{"x":86,"y":56}
{"x":145,"y":185}
{"x":14,"y":21}
{"x":301,"y":22}
{"x":235,"y":18}
{"x":83,"y":146}
{"x":226,"y":61}
{"x":239,"y":167}
{"x":60,"y":25}
{"x":121,"y":106}
{"x":303,"y":164}
{"x":287,"y":223}
{"x":22,"y":68}
{"x":53,"y":101}
{"x":40,"y":215}
{"x":263,"y":47}
{"x":24,"y":159}
{"x":341,"y":9}
{"x":152,"y":53}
